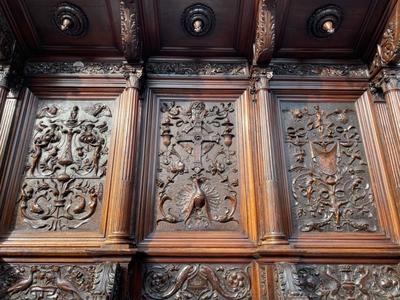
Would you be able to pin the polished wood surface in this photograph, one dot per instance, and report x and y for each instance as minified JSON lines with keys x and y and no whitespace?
{"x":142,"y":158}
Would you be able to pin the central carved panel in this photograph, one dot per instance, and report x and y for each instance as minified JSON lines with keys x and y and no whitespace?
{"x":328,"y":172}
{"x":196,"y":281}
{"x":64,"y":179}
{"x":197,"y":183}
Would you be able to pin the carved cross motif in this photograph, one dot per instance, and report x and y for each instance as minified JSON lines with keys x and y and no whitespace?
{"x":194,"y":133}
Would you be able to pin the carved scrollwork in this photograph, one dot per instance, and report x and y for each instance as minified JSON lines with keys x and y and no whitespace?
{"x":131,"y":46}
{"x":67,"y":163}
{"x":69,"y":282}
{"x":197,"y":151}
{"x":196,"y":282}
{"x":265,"y":33}
{"x":338,"y":281}
{"x":330,"y":185}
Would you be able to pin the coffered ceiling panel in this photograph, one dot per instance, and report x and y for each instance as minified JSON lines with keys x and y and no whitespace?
{"x":361,"y":23}
{"x":231,"y":33}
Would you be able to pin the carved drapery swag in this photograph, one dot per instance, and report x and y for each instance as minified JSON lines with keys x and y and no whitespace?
{"x":196,"y":281}
{"x":67,"y":161}
{"x":197,"y":184}
{"x":329,"y":181}
{"x":54,"y":281}
{"x":337,"y":281}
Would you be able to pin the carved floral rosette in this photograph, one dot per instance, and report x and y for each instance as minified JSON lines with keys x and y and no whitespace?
{"x":328,"y":173}
{"x":373,"y":282}
{"x":196,"y":281}
{"x":197,"y":182}
{"x":65,"y":173}
{"x":69,"y":282}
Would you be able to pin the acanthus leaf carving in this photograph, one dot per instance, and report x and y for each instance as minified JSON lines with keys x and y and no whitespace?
{"x":197,"y":147}
{"x":131,"y":46}
{"x":338,"y":281}
{"x":64,"y":180}
{"x":265,"y":32}
{"x":330,"y":185}
{"x":48,"y":281}
{"x":196,"y":281}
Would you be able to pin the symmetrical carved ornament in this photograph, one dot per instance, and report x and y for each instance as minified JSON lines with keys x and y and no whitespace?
{"x":329,"y":180}
{"x":198,"y":20}
{"x":64,"y":179}
{"x":71,"y":20}
{"x":7,"y":40}
{"x":373,"y":282}
{"x":131,"y":45}
{"x":197,"y":69}
{"x":265,"y":32}
{"x":387,"y":79}
{"x":320,"y":70}
{"x":325,"y":21}
{"x":77,"y":67}
{"x":69,"y":282}
{"x":197,"y":184}
{"x":196,"y":281}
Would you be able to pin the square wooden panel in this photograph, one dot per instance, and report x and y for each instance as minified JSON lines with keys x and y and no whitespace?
{"x":196,"y":161}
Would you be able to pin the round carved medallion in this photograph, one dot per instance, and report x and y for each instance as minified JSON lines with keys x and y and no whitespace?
{"x":325,"y":21}
{"x":71,"y":20}
{"x":198,"y":19}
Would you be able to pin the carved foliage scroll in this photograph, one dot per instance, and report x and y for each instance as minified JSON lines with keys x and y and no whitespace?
{"x":197,"y":184}
{"x":338,"y":281}
{"x":196,"y":281}
{"x":65,"y":173}
{"x":329,"y":181}
{"x":69,"y":282}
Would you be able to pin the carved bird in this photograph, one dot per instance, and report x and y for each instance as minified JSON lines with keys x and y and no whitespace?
{"x":22,"y":284}
{"x":65,"y":285}
{"x":198,"y":197}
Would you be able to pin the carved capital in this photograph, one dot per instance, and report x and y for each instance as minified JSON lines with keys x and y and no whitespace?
{"x":386,"y":80}
{"x":260,"y":79}
{"x":133,"y":74}
{"x":265,"y":33}
{"x":131,"y":45}
{"x":5,"y":72}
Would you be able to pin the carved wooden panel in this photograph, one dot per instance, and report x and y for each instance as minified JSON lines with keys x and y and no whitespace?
{"x":58,"y":281}
{"x":66,"y":166}
{"x":196,"y":281}
{"x":342,"y":281}
{"x":197,"y":181}
{"x":328,"y":173}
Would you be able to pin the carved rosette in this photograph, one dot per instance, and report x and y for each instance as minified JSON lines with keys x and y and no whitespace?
{"x":196,"y":281}
{"x":65,"y":174}
{"x":337,"y":281}
{"x":329,"y":180}
{"x":69,"y":282}
{"x":197,"y":184}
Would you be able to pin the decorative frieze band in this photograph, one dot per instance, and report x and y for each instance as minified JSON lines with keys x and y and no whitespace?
{"x":55,"y":281}
{"x":198,"y":69}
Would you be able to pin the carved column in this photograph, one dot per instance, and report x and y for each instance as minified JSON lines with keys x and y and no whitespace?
{"x":273,"y":231}
{"x":125,"y":155}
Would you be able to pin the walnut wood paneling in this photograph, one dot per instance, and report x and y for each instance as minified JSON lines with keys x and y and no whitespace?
{"x":65,"y":173}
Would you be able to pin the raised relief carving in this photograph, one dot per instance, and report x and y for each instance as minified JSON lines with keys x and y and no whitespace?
{"x":69,"y":282}
{"x":7,"y":40}
{"x":197,"y":184}
{"x":338,"y":281}
{"x":265,"y":33}
{"x":63,"y":184}
{"x":131,"y":46}
{"x":329,"y":181}
{"x":196,"y":282}
{"x":190,"y":68}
